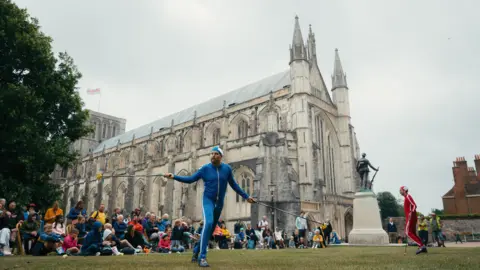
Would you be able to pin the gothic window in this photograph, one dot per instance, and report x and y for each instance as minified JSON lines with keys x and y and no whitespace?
{"x":104,"y":131}
{"x":244,"y":182}
{"x":216,"y":137}
{"x":180,"y":144}
{"x":242,"y":129}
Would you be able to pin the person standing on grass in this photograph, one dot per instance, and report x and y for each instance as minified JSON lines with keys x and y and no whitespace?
{"x":410,"y":208}
{"x":215,"y":176}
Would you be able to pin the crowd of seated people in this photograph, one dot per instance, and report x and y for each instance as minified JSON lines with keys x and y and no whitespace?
{"x":94,"y":234}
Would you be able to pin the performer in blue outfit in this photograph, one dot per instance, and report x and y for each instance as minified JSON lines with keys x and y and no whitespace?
{"x":215,"y":176}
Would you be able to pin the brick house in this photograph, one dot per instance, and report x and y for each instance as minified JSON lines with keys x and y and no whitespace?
{"x":464,"y":196}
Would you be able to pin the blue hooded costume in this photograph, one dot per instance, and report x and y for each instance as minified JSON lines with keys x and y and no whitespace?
{"x":215,"y":180}
{"x":93,"y":241}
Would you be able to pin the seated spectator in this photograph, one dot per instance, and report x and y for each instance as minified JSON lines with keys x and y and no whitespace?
{"x":301,"y":243}
{"x":29,"y":231}
{"x":318,"y":240}
{"x":121,"y":244}
{"x":4,"y":231}
{"x":268,"y":238}
{"x":15,"y":216}
{"x":291,"y":242}
{"x":278,"y":239}
{"x":151,"y":228}
{"x":163,"y":223}
{"x":52,"y":213}
{"x":116,"y":213}
{"x":80,"y":226}
{"x":251,"y":235}
{"x":75,"y":212}
{"x":135,"y":237}
{"x":108,"y":226}
{"x":177,"y":236}
{"x":240,"y":239}
{"x":164,"y":244}
{"x":58,"y":227}
{"x":92,"y":244}
{"x":99,"y":215}
{"x":335,"y":239}
{"x":120,"y":227}
{"x":47,"y":242}
{"x":70,"y":245}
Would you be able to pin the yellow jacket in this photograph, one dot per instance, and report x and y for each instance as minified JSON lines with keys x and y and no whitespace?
{"x":51,"y":214}
{"x":422,"y":225}
{"x":226,"y":233}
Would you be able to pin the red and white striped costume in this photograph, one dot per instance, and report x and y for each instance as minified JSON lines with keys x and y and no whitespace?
{"x":410,"y":208}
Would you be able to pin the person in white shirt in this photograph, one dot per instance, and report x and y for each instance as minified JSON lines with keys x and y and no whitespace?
{"x":301,"y":224}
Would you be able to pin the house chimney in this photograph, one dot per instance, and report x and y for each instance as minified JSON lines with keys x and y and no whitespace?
{"x":472,"y":175}
{"x":477,"y":166}
{"x":460,"y":172}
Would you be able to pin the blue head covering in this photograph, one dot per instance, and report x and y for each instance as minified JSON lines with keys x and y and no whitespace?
{"x":218,"y":150}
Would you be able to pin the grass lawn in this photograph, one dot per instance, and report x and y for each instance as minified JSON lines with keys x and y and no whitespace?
{"x":330,"y":258}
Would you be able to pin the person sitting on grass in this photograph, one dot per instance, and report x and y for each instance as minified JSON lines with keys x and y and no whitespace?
{"x":120,"y":227}
{"x":29,"y":231}
{"x":109,"y":235}
{"x":318,"y":240}
{"x":240,"y":238}
{"x":177,"y":236}
{"x":58,"y":227}
{"x":92,"y":244}
{"x":47,"y":242}
{"x":164,"y":244}
{"x":135,"y":238}
{"x":301,"y":243}
{"x":291,"y":242}
{"x":70,"y":245}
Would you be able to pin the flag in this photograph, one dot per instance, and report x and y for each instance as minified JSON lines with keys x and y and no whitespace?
{"x":93,"y":91}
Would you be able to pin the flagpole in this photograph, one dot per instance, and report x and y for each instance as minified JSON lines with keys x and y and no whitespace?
{"x":99,"y":99}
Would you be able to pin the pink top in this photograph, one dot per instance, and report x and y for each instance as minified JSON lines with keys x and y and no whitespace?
{"x":58,"y":229}
{"x":69,"y":242}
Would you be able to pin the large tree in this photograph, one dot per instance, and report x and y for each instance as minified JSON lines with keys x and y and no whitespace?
{"x":388,"y":205}
{"x":40,"y":108}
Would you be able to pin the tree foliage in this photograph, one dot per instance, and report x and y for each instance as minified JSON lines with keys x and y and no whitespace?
{"x":41,"y":111}
{"x":438,"y":212}
{"x":389,"y":206}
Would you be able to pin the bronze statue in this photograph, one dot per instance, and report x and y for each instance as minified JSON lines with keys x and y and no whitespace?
{"x":362,"y":169}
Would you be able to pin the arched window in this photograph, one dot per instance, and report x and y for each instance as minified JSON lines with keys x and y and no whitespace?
{"x":244,"y":182}
{"x":216,"y":136}
{"x":242,"y":129}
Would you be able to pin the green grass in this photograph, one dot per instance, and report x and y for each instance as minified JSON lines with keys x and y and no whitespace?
{"x":330,"y":258}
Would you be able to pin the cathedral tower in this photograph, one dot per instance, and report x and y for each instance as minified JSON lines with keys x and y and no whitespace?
{"x":342,"y":101}
{"x":300,"y":90}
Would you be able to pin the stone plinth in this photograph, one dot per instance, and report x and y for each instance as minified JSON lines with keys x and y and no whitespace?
{"x":367,"y":225}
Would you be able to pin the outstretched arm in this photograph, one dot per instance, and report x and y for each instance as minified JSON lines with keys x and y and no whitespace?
{"x":235,"y":186}
{"x":371,"y":166}
{"x":187,"y":179}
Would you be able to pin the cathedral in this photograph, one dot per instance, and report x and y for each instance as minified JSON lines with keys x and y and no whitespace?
{"x":289,"y":140}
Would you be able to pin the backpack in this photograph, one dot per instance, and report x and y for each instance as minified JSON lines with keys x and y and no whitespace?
{"x":251,"y":244}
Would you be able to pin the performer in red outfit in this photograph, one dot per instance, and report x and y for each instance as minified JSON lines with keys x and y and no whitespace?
{"x":410,"y":208}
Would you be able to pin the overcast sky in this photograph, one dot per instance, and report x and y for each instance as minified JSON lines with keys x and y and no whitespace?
{"x":412,"y":67}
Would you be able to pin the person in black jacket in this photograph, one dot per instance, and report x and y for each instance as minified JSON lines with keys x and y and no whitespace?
{"x":392,"y":231}
{"x":177,"y":236}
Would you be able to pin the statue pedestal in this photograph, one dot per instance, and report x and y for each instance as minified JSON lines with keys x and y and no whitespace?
{"x":367,"y":226}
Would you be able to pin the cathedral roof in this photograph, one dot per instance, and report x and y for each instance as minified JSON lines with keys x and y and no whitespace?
{"x":243,"y":94}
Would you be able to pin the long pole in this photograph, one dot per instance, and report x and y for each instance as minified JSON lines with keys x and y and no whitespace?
{"x":99,"y":99}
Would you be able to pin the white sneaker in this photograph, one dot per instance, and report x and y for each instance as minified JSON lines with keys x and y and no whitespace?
{"x":97,"y":254}
{"x":7,"y":252}
{"x":115,"y":251}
